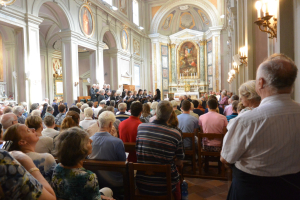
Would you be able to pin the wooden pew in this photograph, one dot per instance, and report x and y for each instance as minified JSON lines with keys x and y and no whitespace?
{"x":129,"y":146}
{"x":115,"y":166}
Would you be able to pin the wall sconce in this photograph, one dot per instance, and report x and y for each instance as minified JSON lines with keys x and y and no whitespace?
{"x":231,"y":76}
{"x":235,"y":67}
{"x":269,"y":19}
{"x":76,"y":83}
{"x":243,"y":57}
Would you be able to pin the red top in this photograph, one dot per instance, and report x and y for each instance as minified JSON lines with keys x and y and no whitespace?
{"x":127,"y":132}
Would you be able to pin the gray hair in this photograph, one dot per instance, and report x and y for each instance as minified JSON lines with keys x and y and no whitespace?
{"x":84,"y":106}
{"x":103,"y":102}
{"x":105,"y":118}
{"x":119,"y":92}
{"x":34,"y":106}
{"x":88,"y":112}
{"x":163,"y":111}
{"x":36,"y":113}
{"x":18,"y":110}
{"x":122,"y":106}
{"x":224,"y":93}
{"x":279,"y":72}
{"x":247,"y":90}
{"x":102,"y":91}
{"x":174,"y":103}
{"x":50,"y":109}
{"x":7,"y":120}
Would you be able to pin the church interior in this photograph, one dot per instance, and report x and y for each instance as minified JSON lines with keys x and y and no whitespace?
{"x":56,"y":55}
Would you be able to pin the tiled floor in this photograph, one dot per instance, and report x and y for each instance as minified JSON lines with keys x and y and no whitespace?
{"x":200,"y":189}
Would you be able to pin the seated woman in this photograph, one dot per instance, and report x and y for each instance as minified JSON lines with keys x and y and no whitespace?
{"x":88,"y":120}
{"x":146,"y":115}
{"x":70,"y":180}
{"x":249,"y":96}
{"x":45,"y":143}
{"x":72,"y":119}
{"x":25,"y":139}
{"x":26,"y":182}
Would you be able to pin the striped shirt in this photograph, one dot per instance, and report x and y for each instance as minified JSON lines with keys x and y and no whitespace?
{"x":157,"y":143}
{"x":265,"y":141}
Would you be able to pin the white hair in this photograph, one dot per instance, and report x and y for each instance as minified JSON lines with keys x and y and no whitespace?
{"x":247,"y":90}
{"x":224,"y":93}
{"x":7,"y":120}
{"x":17,"y":110}
{"x":88,"y":112}
{"x":84,"y":106}
{"x":36,"y":113}
{"x":105,"y":118}
{"x":153,"y":107}
{"x":174,"y":103}
{"x":103,"y":102}
{"x":119,"y":92}
{"x":122,"y":106}
{"x":102,"y":91}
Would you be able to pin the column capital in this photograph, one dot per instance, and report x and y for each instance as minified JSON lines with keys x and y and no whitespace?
{"x":32,"y":19}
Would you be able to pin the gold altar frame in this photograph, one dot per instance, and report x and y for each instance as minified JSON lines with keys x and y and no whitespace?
{"x":178,"y":60}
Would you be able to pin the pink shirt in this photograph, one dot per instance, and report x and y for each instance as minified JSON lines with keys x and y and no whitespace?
{"x":212,"y":122}
{"x":228,"y":110}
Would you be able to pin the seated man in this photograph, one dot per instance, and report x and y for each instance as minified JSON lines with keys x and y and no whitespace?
{"x":234,"y":111}
{"x":50,"y":111}
{"x":188,"y":123}
{"x":212,"y":122}
{"x":196,"y":108}
{"x":157,"y":143}
{"x":128,"y":128}
{"x":8,"y":120}
{"x":19,"y":110}
{"x":122,"y":115}
{"x":49,"y":121}
{"x":107,"y":147}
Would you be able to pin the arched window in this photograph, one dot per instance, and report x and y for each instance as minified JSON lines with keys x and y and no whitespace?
{"x":135,"y":11}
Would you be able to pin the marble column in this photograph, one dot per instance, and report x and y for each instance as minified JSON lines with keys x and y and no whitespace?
{"x":33,"y":68}
{"x":99,"y":67}
{"x":70,"y":69}
{"x":50,"y":83}
{"x":20,"y":62}
{"x":202,"y":62}
{"x":10,"y":66}
{"x":173,"y":64}
{"x":115,"y":74}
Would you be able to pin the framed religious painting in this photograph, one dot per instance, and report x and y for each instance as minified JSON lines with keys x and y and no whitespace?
{"x":124,"y":39}
{"x":188,"y":60}
{"x":86,"y":20}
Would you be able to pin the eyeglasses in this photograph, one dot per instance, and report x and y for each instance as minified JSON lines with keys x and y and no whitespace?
{"x":31,"y":130}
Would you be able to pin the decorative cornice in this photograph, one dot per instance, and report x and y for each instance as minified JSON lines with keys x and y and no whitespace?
{"x":33,"y":19}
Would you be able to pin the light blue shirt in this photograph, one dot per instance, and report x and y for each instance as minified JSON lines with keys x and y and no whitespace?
{"x":107,"y":147}
{"x":187,"y":124}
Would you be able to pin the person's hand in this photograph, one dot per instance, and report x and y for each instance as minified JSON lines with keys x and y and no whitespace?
{"x":108,"y":198}
{"x":23,"y":159}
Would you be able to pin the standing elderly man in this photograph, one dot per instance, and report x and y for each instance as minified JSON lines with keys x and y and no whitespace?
{"x":19,"y":110}
{"x":93,"y":93}
{"x":158,"y":143}
{"x":263,"y":145}
{"x":8,"y":120}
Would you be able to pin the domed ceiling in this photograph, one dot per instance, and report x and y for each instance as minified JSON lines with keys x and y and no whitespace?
{"x":184,"y":17}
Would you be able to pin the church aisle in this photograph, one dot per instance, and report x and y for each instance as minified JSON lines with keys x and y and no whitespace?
{"x":207,"y":189}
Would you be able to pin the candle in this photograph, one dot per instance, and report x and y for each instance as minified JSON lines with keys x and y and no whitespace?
{"x":264,"y":9}
{"x":258,"y":8}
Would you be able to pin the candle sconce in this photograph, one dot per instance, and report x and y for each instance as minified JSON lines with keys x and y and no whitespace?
{"x":243,"y":57}
{"x":268,"y":22}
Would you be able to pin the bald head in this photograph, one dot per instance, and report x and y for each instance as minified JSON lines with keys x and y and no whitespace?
{"x":8,"y":120}
{"x":278,"y":72}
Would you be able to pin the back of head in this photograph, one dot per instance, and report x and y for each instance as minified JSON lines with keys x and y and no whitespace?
{"x":146,"y":110}
{"x":279,"y":72}
{"x":78,"y":105}
{"x":105,"y":118}
{"x":212,"y":104}
{"x":88,"y":112}
{"x":154,"y":105}
{"x":110,"y":108}
{"x":122,"y":106}
{"x":90,"y":104}
{"x":49,"y":120}
{"x":12,"y":134}
{"x":173,"y":120}
{"x":36,"y":113}
{"x":235,"y":98}
{"x":224,"y":93}
{"x":103,"y":102}
{"x":75,"y":109}
{"x":7,"y":109}
{"x":71,"y":120}
{"x":174,"y":103}
{"x":247,"y":90}
{"x":75,"y":139}
{"x":240,"y":107}
{"x":235,"y":105}
{"x":61,"y":108}
{"x":112,"y":103}
{"x":18,"y":110}
{"x":101,"y":111}
{"x":34,"y":122}
{"x":212,"y":97}
{"x":136,"y":108}
{"x":186,"y":105}
{"x":34,"y":106}
{"x":7,"y":120}
{"x":196,"y":103}
{"x":163,"y":111}
{"x":84,"y":106}
{"x":50,"y":109}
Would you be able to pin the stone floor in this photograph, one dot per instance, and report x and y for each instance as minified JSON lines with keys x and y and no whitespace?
{"x":200,"y":189}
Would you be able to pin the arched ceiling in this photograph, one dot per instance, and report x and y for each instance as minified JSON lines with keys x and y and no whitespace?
{"x":184,"y":17}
